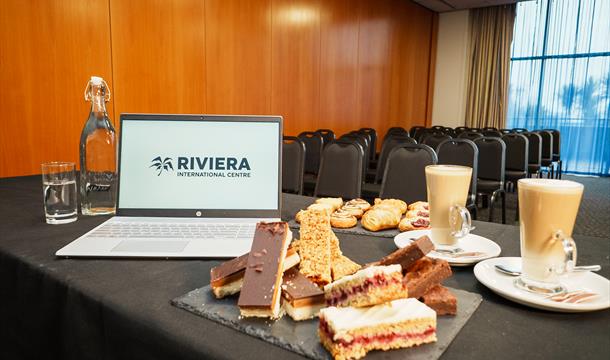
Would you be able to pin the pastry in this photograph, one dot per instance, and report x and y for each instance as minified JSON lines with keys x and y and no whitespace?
{"x":392,"y":203}
{"x":441,"y":300}
{"x":336,"y":203}
{"x":314,"y":246}
{"x":227,"y":278}
{"x":349,"y":333}
{"x":302,"y":298}
{"x":370,"y":286}
{"x":409,"y":254}
{"x":261,"y":289}
{"x":421,"y":205}
{"x":343,"y":266}
{"x":417,"y":213}
{"x":328,"y":208}
{"x":361,"y":203}
{"x":343,"y":219}
{"x":424,"y":274}
{"x":353,"y":210}
{"x":418,"y":223}
{"x":381,"y":218}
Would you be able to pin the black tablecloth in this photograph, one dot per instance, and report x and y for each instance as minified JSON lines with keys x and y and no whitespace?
{"x":76,"y":308}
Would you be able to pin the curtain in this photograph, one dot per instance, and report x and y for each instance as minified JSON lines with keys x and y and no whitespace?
{"x":560,"y":78}
{"x":491,"y":34}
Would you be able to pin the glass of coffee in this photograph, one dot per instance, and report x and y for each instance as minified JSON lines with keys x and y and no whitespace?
{"x":547,"y":211}
{"x":447,"y":187}
{"x":59,"y":192}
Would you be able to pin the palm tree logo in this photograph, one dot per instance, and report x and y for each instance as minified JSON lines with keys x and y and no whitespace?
{"x":162,"y":165}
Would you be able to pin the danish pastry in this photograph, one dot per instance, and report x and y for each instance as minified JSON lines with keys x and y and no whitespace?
{"x":419,"y":205}
{"x":361,"y":203}
{"x":354,"y":210}
{"x":342,"y":219}
{"x":417,"y":223}
{"x":417,"y":213}
{"x":322,"y":206}
{"x":396,"y":203}
{"x":381,"y":218}
{"x":336,"y":203}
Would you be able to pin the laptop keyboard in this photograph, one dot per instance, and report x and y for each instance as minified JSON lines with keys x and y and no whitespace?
{"x":177,"y":230}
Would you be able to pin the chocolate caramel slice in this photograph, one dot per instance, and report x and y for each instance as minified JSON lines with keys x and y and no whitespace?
{"x":302,"y":298}
{"x":260,"y":292}
{"x":409,"y":254}
{"x":424,"y":274}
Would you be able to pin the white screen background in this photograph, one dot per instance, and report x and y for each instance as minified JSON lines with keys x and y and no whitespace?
{"x":142,"y":188}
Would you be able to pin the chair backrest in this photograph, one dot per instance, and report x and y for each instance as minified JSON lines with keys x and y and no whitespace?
{"x":470,"y":135}
{"x":460,"y":129}
{"x":506,"y":131}
{"x":414,"y":129}
{"x":462,"y":152}
{"x":449,"y":131}
{"x":372,"y":133}
{"x":293,"y":164}
{"x":363,"y":140}
{"x":547,"y":144}
{"x":438,"y":128}
{"x":327,"y":134}
{"x":389,"y":145}
{"x":434,"y":139}
{"x":475,"y":130}
{"x":556,"y":143}
{"x":340,"y":170}
{"x":314,"y":142}
{"x":520,"y":130}
{"x":490,"y":128}
{"x":492,"y":158}
{"x":517,"y":150}
{"x":492,"y":133}
{"x":405,"y":175}
{"x":535,"y":148}
{"x":421,"y":133}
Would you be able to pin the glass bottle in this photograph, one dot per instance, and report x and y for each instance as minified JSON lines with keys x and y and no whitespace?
{"x":98,"y":154}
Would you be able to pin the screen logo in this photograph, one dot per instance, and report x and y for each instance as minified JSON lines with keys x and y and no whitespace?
{"x":162,"y":165}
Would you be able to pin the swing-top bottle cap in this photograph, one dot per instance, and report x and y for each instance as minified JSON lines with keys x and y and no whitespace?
{"x":96,"y":80}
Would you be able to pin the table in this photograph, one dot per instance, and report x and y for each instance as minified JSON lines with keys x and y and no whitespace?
{"x":100,"y":309}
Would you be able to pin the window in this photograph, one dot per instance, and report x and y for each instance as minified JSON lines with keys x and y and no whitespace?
{"x":560,"y":78}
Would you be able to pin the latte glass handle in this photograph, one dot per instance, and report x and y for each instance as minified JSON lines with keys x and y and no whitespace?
{"x":569,"y":249}
{"x":460,"y":221}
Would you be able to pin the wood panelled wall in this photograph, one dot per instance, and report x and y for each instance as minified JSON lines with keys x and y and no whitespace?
{"x":338,"y":64}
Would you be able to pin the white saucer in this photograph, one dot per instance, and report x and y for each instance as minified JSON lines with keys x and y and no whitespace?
{"x":469,"y":243}
{"x":502,"y":284}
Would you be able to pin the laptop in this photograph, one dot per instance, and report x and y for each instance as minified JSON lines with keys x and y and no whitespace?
{"x":190,"y":186}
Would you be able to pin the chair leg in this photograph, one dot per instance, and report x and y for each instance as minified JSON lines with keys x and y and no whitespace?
{"x":560,"y":168}
{"x":503,"y":194}
{"x":491,"y":206}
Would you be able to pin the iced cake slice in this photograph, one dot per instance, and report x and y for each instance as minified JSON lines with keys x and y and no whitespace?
{"x":369,"y":286}
{"x":302,"y":298}
{"x":227,"y":278}
{"x":349,"y":333}
{"x":261,"y":290}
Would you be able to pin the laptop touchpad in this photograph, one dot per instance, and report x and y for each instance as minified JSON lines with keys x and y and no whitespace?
{"x":150,"y":246}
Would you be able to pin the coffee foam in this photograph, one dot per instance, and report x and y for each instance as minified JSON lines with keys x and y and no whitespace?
{"x":551,"y":185}
{"x":449,"y":170}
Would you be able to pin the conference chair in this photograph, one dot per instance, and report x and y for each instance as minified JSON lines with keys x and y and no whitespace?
{"x":434,"y":139}
{"x":327,"y":134}
{"x":340,"y":172}
{"x":363,"y":140}
{"x":405,"y":176}
{"x":520,"y":130}
{"x":492,"y":133}
{"x":414,"y":129}
{"x":546,"y":162}
{"x":462,"y":152}
{"x":438,"y":128}
{"x":557,"y":152}
{"x":293,"y":164}
{"x":460,"y":129}
{"x":372,"y":185}
{"x":372,"y":143}
{"x":449,"y":131}
{"x":470,"y":135}
{"x":517,"y":155}
{"x":420,"y":134}
{"x":490,"y":177}
{"x":475,"y":130}
{"x":490,"y":128}
{"x":534,"y":153}
{"x":506,"y":131}
{"x":314,"y":143}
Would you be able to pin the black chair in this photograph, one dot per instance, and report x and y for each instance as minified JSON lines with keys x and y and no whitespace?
{"x":434,"y":139}
{"x":520,"y":130}
{"x":372,"y":133}
{"x":327,"y":134}
{"x":420,"y":134}
{"x":490,"y":178}
{"x":374,"y":178}
{"x":470,"y":135}
{"x":460,"y":129}
{"x":506,"y":131}
{"x":517,"y":155}
{"x":363,"y":140}
{"x":314,"y":143}
{"x":475,"y":130}
{"x":405,"y":175}
{"x":340,"y":172}
{"x":438,"y":128}
{"x":293,"y":164}
{"x":415,"y":129}
{"x":492,"y":133}
{"x":557,"y":152}
{"x":546,"y":162}
{"x":462,"y":152}
{"x":490,"y":128}
{"x":449,"y":131}
{"x":534,"y":153}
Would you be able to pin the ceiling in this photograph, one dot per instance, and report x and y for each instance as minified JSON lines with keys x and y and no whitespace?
{"x":452,"y":5}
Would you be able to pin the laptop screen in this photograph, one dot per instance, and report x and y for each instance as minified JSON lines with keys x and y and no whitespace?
{"x":199,"y":163}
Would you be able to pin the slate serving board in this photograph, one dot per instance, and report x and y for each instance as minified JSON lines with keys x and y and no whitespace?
{"x":302,"y":337}
{"x":356,"y":230}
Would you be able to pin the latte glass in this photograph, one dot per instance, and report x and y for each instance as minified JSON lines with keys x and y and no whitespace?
{"x":447,"y":187}
{"x":547,"y":212}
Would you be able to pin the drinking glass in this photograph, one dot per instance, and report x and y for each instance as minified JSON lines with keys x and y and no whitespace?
{"x":59,"y":192}
{"x":447,"y":187}
{"x":547,"y":212}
